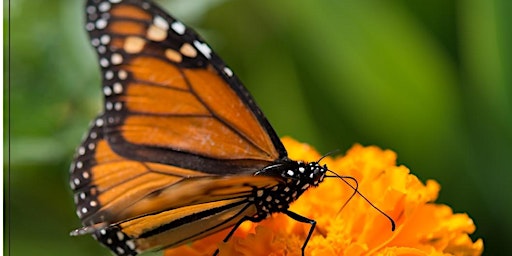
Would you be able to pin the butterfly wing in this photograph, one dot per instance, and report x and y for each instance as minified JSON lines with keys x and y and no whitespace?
{"x":170,"y":99}
{"x":136,"y":206}
{"x":173,"y":157}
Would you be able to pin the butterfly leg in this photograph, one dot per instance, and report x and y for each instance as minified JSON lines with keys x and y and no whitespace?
{"x":290,"y":214}
{"x":303,"y":219}
{"x":242,"y":220}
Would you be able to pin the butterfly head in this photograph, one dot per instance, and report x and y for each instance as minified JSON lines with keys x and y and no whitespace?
{"x":305,"y":174}
{"x":297,"y":174}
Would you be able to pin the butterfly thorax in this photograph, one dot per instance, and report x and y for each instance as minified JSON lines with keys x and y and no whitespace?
{"x":297,"y":177}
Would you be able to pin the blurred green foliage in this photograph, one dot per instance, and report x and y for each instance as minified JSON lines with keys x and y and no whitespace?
{"x":430,"y":80}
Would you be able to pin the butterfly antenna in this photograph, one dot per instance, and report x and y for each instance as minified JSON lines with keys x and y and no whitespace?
{"x":355,"y":188}
{"x":328,"y":154}
{"x":353,"y":194}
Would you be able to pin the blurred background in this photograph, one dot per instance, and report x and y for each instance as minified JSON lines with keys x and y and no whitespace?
{"x":430,"y":80}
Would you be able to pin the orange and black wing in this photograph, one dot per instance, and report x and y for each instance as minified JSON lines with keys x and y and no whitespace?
{"x":173,"y":157}
{"x":133,"y":206}
{"x":170,"y":99}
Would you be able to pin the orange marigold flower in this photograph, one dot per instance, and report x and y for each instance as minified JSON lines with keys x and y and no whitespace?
{"x":422,"y":227}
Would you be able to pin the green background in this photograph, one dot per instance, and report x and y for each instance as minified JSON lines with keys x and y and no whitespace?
{"x":430,"y":80}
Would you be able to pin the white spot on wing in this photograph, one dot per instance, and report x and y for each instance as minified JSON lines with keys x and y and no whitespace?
{"x":228,"y":71}
{"x":89,"y":26}
{"x":130,"y":244}
{"x":90,"y":9}
{"x":120,"y":235}
{"x":101,"y":24}
{"x":95,"y":42}
{"x":107,"y":91}
{"x":104,"y":62}
{"x":118,"y":106}
{"x":118,"y":88}
{"x":161,"y":23}
{"x":109,"y":75}
{"x":203,"y":48}
{"x":122,"y":74}
{"x":104,"y":6}
{"x":105,"y":39}
{"x":101,"y":49}
{"x":178,"y":27}
{"x":117,"y":58}
{"x":99,"y":122}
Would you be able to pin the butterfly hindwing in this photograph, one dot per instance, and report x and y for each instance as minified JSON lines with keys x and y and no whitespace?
{"x":169,"y":98}
{"x":135,"y":206}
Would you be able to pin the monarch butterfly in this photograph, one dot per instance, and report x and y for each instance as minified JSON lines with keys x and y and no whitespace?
{"x":181,"y":150}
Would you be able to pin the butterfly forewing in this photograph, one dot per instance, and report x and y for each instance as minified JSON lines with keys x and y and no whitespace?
{"x":169,"y":98}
